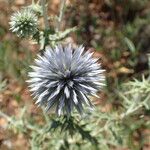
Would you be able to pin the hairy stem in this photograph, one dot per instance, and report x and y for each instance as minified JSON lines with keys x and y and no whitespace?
{"x":62,"y":6}
{"x":44,"y":7}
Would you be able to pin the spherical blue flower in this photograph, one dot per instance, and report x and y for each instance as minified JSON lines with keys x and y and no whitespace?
{"x":64,"y":78}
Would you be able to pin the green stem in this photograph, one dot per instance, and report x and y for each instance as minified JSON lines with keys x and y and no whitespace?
{"x":62,"y":6}
{"x":148,"y":55}
{"x":45,"y":116}
{"x":43,"y":2}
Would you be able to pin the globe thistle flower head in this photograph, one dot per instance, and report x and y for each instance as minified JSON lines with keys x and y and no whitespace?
{"x":24,"y":23}
{"x":64,"y":78}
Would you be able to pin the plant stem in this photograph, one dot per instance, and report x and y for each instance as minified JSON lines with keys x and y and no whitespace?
{"x":62,"y":6}
{"x":148,"y":55}
{"x":130,"y":112}
{"x":44,"y":7}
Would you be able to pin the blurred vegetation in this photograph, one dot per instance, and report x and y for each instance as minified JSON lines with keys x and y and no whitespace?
{"x":119,"y":33}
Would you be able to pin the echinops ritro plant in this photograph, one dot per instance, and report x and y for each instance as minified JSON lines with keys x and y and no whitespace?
{"x":24,"y":23}
{"x":64,"y":78}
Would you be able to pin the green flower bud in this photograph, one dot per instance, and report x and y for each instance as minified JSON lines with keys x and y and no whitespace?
{"x":24,"y":23}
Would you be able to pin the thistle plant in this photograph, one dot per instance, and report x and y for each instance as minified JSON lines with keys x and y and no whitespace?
{"x":64,"y":77}
{"x":24,"y":23}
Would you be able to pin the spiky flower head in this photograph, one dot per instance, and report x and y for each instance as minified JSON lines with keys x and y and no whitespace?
{"x":24,"y":23}
{"x":64,"y":78}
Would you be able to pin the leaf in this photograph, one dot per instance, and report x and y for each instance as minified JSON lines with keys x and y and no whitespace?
{"x":3,"y":85}
{"x":86,"y":134}
{"x":55,"y":125}
{"x":116,"y":136}
{"x":61,"y":35}
{"x":130,"y":45}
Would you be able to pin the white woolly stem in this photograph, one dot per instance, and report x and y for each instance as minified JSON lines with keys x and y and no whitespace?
{"x":44,"y":7}
{"x":62,"y":6}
